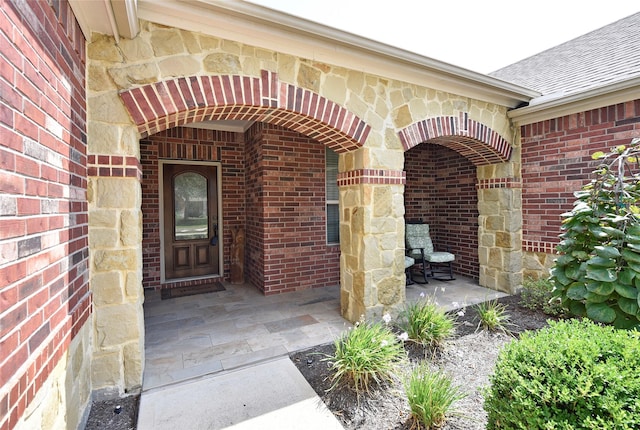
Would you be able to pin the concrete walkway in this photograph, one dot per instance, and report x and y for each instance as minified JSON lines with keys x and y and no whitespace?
{"x":269,"y":395}
{"x":221,"y":360}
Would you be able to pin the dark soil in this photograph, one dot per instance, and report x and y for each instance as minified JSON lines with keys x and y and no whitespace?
{"x":382,"y":405}
{"x":117,"y":414}
{"x":522,"y":319}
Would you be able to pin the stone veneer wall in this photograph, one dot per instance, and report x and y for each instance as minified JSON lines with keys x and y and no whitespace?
{"x":45,"y":303}
{"x":556,"y":161}
{"x":441,"y":190}
{"x":182,"y":143}
{"x":165,"y":54}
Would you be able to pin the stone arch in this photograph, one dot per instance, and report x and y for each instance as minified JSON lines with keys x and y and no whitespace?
{"x":471,"y":139}
{"x":498,"y":187}
{"x":170,"y":103}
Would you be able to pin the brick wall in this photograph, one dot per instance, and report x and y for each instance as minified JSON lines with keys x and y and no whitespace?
{"x":286,"y":215}
{"x":44,"y":291}
{"x":279,"y":199}
{"x":183,"y":143}
{"x":254,"y":187}
{"x":556,"y":161}
{"x":441,"y":189}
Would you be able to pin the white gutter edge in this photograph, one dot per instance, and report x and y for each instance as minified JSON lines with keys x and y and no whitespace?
{"x":82,"y":16}
{"x":126,"y":16}
{"x":291,"y":21}
{"x":561,"y":105}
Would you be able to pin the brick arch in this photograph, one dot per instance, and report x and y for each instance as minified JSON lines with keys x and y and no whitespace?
{"x":170,"y":103}
{"x":470,"y":138}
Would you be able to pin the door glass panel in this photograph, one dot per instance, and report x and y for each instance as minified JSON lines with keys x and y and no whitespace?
{"x":190,"y":206}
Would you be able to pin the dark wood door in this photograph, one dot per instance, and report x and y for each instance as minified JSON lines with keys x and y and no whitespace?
{"x":191,"y":245}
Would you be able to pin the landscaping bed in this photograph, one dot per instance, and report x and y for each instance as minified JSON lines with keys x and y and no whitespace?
{"x":468,"y":358}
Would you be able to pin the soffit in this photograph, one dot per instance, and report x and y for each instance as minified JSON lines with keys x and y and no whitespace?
{"x":118,"y":18}
{"x":544,"y":108}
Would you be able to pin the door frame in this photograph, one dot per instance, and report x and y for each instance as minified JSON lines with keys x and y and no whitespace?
{"x":161,"y":197}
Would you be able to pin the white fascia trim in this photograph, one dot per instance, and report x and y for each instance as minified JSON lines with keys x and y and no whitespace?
{"x":273,"y":30}
{"x":618,"y":92}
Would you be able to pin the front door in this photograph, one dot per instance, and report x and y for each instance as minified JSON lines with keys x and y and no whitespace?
{"x":191,"y":245}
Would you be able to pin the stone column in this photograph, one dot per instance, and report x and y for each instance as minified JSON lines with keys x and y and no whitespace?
{"x":500,"y":232}
{"x":115,"y":247}
{"x":115,"y":237}
{"x":371,"y":242}
{"x":115,"y":217}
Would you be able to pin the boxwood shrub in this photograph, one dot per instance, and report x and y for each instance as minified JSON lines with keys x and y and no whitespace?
{"x":574,"y":374}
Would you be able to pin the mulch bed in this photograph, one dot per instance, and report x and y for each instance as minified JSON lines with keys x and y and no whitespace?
{"x":522,"y":318}
{"x":352,"y":409}
{"x":117,"y":414}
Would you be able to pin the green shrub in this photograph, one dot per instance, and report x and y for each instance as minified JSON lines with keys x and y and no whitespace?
{"x":368,"y":353}
{"x":431,"y":395}
{"x":426,"y":323}
{"x":571,"y":375}
{"x":537,"y":294}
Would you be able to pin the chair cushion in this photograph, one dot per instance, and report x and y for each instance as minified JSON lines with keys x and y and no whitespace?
{"x":417,"y":237}
{"x":408,"y":261}
{"x":439,"y":257}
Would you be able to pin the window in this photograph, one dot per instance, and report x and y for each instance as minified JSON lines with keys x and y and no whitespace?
{"x":190,"y":207}
{"x":331,"y":186}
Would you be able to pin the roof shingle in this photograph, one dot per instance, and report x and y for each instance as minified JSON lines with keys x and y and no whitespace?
{"x":603,"y":56}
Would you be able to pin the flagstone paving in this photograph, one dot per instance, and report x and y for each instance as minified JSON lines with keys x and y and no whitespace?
{"x":193,"y":336}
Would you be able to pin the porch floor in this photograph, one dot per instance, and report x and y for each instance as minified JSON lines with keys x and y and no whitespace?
{"x":193,"y":336}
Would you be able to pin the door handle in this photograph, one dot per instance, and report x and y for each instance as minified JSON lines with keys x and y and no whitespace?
{"x":214,"y":238}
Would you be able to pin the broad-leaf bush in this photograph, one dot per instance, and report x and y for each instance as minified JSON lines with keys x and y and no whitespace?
{"x":597,"y":273}
{"x":574,"y":374}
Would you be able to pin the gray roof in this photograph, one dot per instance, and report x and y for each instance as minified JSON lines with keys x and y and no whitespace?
{"x":601,"y":57}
